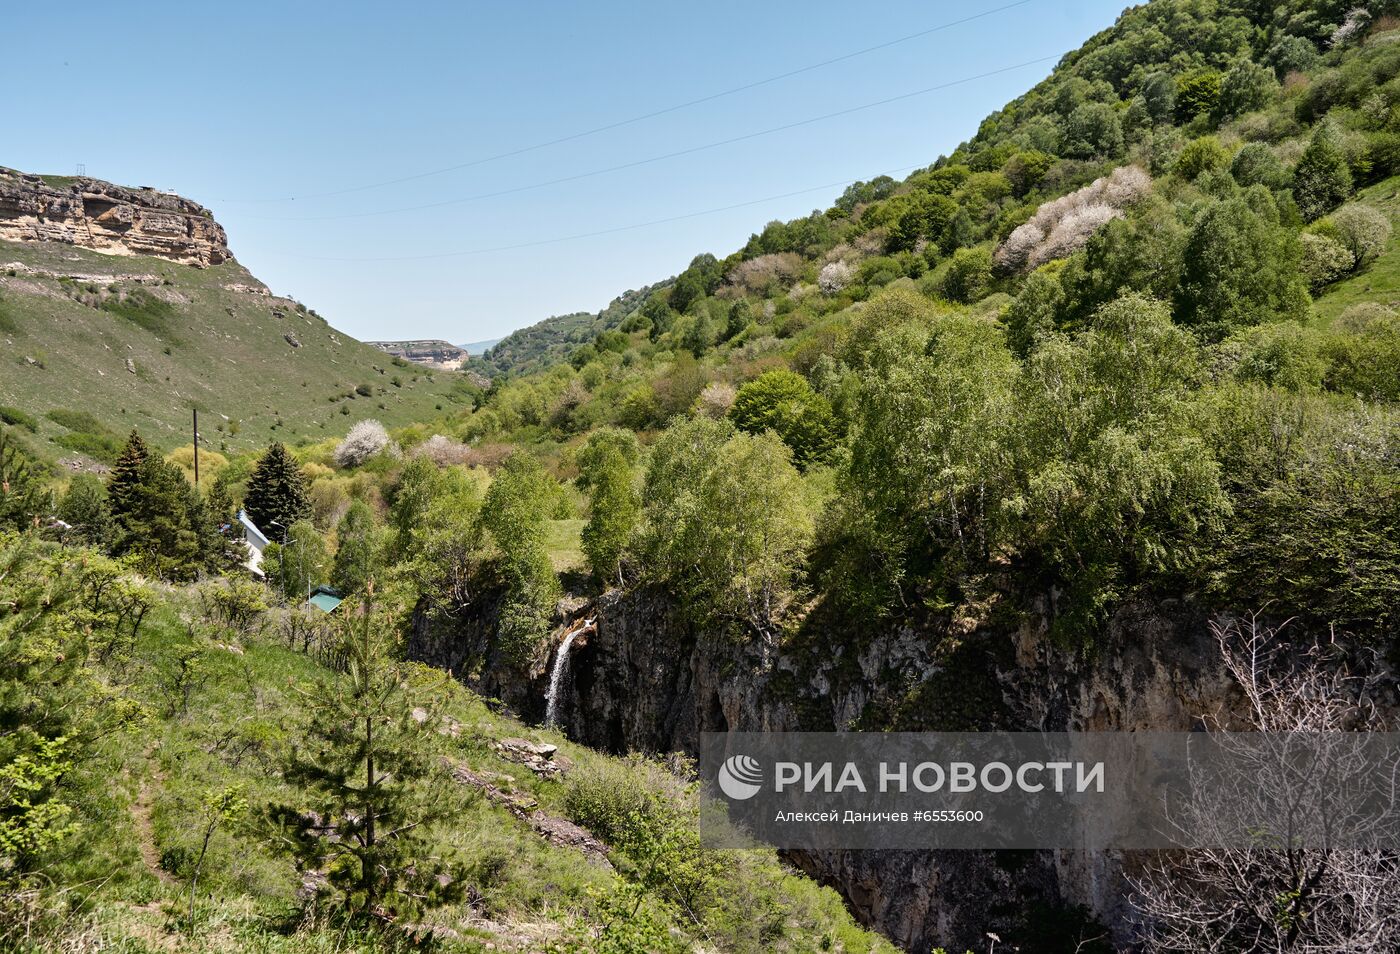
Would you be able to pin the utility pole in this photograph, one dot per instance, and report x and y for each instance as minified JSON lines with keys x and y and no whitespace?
{"x":195,"y":411}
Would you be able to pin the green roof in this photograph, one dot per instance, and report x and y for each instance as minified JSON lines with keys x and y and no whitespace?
{"x":325,"y":602}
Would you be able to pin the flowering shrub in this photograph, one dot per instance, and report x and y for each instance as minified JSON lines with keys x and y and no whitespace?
{"x":1063,"y":225}
{"x":835,"y":276}
{"x":365,"y":439}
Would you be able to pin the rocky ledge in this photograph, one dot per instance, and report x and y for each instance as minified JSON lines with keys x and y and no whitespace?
{"x":430,"y":353}
{"x":108,"y":218}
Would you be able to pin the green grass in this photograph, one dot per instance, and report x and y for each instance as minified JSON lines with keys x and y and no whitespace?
{"x":1378,"y":282}
{"x":143,"y":309}
{"x":141,"y":798}
{"x":193,"y":343}
{"x":564,"y":546}
{"x":85,"y":435}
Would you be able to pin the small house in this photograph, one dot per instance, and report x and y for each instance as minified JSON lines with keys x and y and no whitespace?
{"x":256,"y":542}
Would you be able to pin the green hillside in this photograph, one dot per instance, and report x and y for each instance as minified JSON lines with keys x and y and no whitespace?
{"x":551,"y":340}
{"x":1124,"y":364}
{"x":179,"y":772}
{"x":193,"y":343}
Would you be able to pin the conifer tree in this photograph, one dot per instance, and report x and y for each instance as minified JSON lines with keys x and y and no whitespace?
{"x":22,"y":497}
{"x":156,"y":514}
{"x":84,"y":508}
{"x":369,"y":764}
{"x":126,"y":475}
{"x":276,"y":496}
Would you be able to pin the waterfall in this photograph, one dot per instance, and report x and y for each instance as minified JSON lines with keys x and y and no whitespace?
{"x":556,"y":675}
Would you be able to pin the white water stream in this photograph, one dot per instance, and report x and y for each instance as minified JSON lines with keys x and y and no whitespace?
{"x":556,"y":675}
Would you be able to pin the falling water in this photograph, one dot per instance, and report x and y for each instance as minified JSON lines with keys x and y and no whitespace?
{"x":556,"y":675}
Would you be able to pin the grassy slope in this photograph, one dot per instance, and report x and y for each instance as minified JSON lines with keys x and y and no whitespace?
{"x":228,"y":357}
{"x":142,"y":807}
{"x":1380,"y":281}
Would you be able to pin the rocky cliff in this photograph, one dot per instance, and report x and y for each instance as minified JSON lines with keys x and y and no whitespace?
{"x":647,"y":680}
{"x":431,"y":353}
{"x":108,"y":218}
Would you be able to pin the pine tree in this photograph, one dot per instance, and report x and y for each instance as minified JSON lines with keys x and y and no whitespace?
{"x":22,"y":497}
{"x":218,"y":546}
{"x":126,"y":476}
{"x":84,"y":508}
{"x":276,"y":496}
{"x":370,"y":766}
{"x":156,"y":514}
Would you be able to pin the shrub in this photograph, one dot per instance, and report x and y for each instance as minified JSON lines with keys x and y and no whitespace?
{"x":835,"y":276}
{"x":1247,"y":87}
{"x":762,"y":275}
{"x":1240,"y":267}
{"x":969,"y":275}
{"x":17,"y":418}
{"x":444,"y":451}
{"x":1283,"y":354}
{"x":1197,"y":91}
{"x":1031,"y":244}
{"x":1365,"y":352}
{"x":782,"y":401}
{"x":1201,"y":155}
{"x":1072,"y":233}
{"x":1362,"y":230}
{"x":1257,"y":164}
{"x":141,"y":308}
{"x":1322,"y":178}
{"x":1093,"y":130}
{"x":716,"y":400}
{"x":366,"y":439}
{"x":1324,"y":260}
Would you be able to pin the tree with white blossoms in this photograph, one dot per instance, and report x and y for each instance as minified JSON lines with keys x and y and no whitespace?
{"x":1358,"y":19}
{"x":365,"y":439}
{"x":835,"y":276}
{"x":1062,"y":226}
{"x":1360,"y":229}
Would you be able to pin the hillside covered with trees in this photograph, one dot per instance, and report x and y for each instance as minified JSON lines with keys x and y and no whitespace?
{"x":1136,"y":343}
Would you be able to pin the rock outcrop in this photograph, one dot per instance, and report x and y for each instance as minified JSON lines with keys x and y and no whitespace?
{"x":108,"y":218}
{"x":440,"y":355}
{"x":648,"y":680}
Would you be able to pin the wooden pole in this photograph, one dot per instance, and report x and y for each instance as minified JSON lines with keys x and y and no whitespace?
{"x":195,"y":411}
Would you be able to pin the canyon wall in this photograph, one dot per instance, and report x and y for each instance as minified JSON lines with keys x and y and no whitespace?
{"x":108,"y":218}
{"x":648,"y":680}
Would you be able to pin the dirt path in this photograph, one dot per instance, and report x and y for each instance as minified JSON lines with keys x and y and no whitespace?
{"x":145,"y":832}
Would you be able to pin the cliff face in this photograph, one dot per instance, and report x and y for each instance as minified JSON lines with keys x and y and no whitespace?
{"x":108,"y":218}
{"x":647,"y":680}
{"x":440,"y":355}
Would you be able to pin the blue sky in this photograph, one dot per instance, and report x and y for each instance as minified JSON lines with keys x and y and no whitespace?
{"x":259,"y":109}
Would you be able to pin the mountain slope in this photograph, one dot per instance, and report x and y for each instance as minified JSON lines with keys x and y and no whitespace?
{"x":554,"y":339}
{"x":134,"y":339}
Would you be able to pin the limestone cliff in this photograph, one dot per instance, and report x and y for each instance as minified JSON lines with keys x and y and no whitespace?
{"x":112,"y":219}
{"x":439,"y":355}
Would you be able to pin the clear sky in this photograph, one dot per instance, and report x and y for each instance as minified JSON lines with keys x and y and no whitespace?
{"x":260,"y":109}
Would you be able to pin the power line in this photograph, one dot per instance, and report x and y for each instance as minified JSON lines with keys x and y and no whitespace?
{"x":664,"y":156}
{"x":609,"y":231}
{"x":645,"y":116}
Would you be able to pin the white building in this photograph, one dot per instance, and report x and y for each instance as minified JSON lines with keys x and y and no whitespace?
{"x":256,"y":544}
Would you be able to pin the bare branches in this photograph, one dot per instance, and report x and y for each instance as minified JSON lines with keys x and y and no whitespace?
{"x":1279,"y":896}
